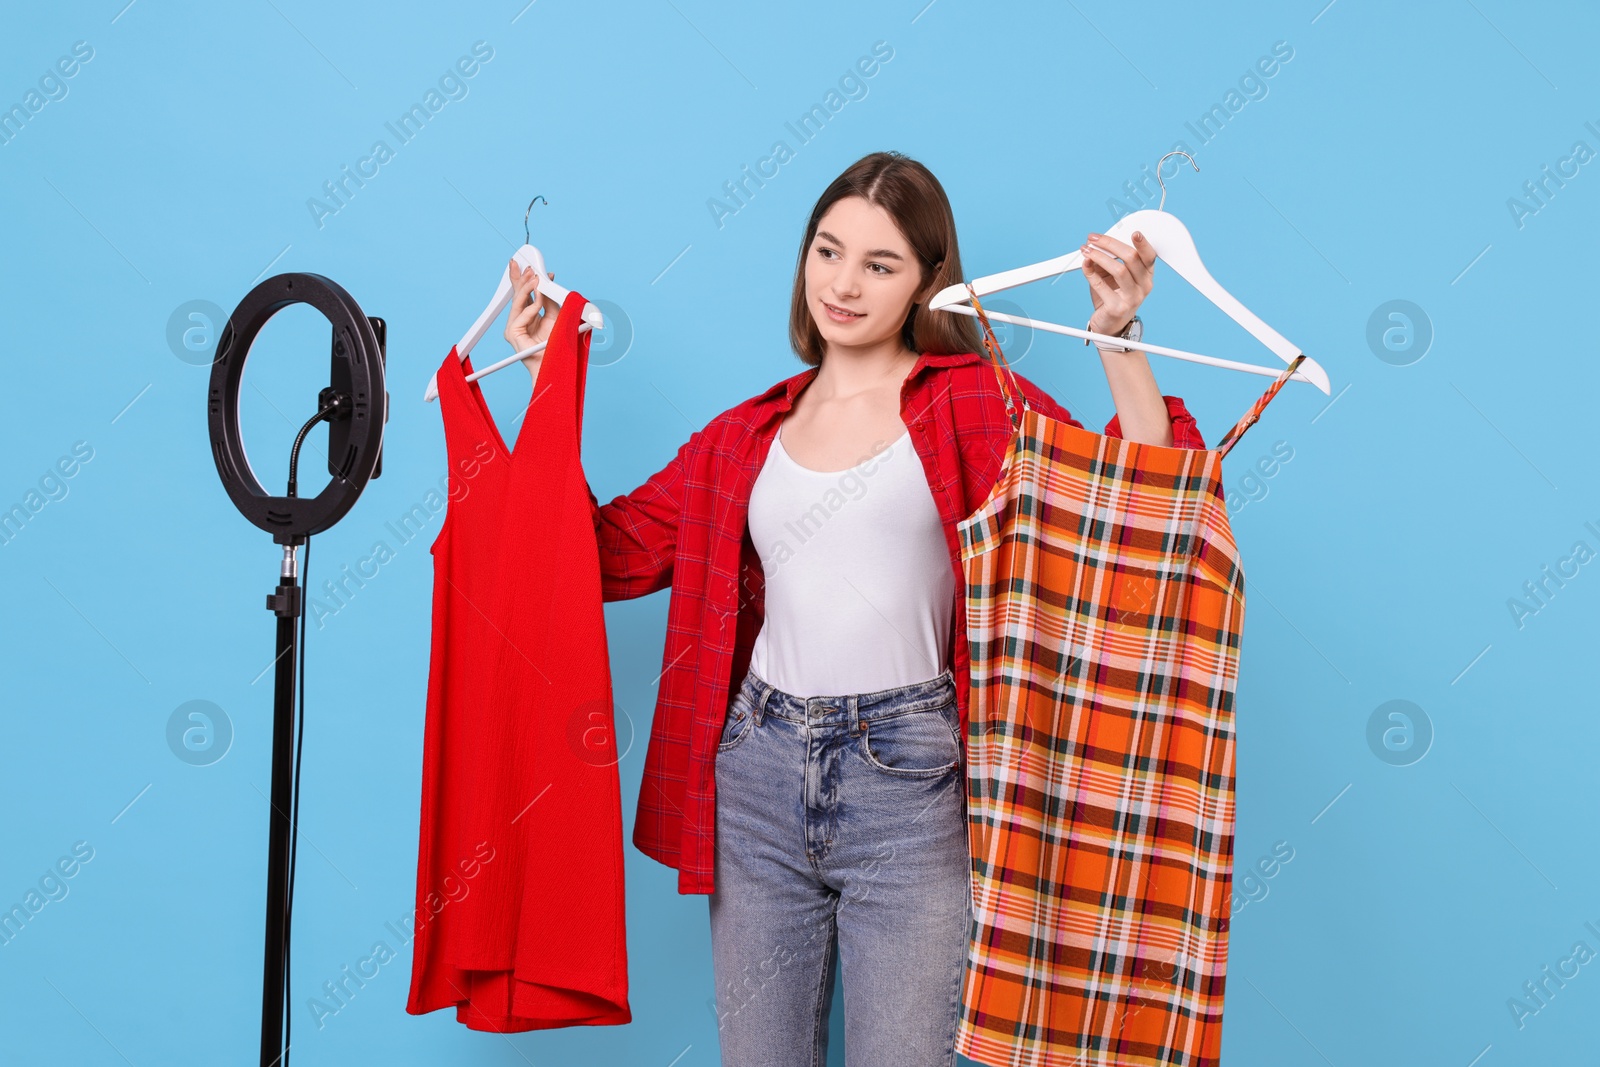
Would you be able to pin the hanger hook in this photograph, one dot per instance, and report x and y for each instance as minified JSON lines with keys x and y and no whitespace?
{"x":1162,"y":206}
{"x":528,"y":240}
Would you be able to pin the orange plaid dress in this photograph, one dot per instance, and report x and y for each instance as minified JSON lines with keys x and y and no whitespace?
{"x":1104,"y":607}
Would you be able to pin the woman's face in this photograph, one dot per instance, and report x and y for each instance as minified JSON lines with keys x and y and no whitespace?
{"x":861,"y":276}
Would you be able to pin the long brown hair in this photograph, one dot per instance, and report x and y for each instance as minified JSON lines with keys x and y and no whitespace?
{"x":916,"y":202}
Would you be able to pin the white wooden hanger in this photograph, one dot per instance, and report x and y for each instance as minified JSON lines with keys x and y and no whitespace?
{"x":526,"y":256}
{"x":1172,"y":243}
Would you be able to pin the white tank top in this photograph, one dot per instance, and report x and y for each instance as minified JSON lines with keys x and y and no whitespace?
{"x":859,"y":586}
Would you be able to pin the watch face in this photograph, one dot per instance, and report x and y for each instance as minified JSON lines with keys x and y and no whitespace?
{"x":1135,"y":329}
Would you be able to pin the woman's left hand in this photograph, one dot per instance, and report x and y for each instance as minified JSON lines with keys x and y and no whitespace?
{"x":1117,"y":285}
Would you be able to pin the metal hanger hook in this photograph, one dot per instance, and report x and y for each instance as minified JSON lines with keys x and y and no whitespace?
{"x":528,"y":240}
{"x":1162,"y":206}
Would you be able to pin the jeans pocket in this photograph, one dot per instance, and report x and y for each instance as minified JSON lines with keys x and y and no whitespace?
{"x":916,"y":744}
{"x":737,"y":723}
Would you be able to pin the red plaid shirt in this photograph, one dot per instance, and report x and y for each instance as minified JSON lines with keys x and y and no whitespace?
{"x":685,"y":527}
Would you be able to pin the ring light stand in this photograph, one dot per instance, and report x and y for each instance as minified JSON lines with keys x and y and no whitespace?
{"x":355,"y":406}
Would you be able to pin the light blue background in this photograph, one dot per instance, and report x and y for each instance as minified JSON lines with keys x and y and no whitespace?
{"x":1375,"y":165}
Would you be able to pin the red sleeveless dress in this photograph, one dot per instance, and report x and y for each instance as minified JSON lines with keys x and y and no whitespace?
{"x":519,"y":922}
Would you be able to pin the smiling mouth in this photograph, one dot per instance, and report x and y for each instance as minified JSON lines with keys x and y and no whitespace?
{"x":842,"y":313}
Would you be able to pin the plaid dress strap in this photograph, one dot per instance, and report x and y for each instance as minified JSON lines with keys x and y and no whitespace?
{"x":1231,"y":438}
{"x":1105,"y":604}
{"x":997,"y":360}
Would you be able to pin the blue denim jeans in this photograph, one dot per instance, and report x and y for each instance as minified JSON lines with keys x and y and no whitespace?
{"x":840,"y":823}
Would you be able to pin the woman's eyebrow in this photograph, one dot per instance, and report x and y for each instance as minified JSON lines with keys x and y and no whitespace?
{"x":875,"y":253}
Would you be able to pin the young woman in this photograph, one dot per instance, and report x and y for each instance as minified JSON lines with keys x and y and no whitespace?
{"x":804,"y":766}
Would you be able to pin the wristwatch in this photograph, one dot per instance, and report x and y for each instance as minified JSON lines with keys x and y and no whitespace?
{"x":1131,"y":332}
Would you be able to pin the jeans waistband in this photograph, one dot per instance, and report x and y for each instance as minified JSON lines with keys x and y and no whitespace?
{"x":767,"y":699}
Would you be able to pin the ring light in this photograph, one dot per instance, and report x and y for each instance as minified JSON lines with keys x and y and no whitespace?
{"x":357,"y":349}
{"x":355,"y":406}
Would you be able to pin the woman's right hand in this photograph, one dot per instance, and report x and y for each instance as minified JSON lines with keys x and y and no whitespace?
{"x":525,"y":327}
